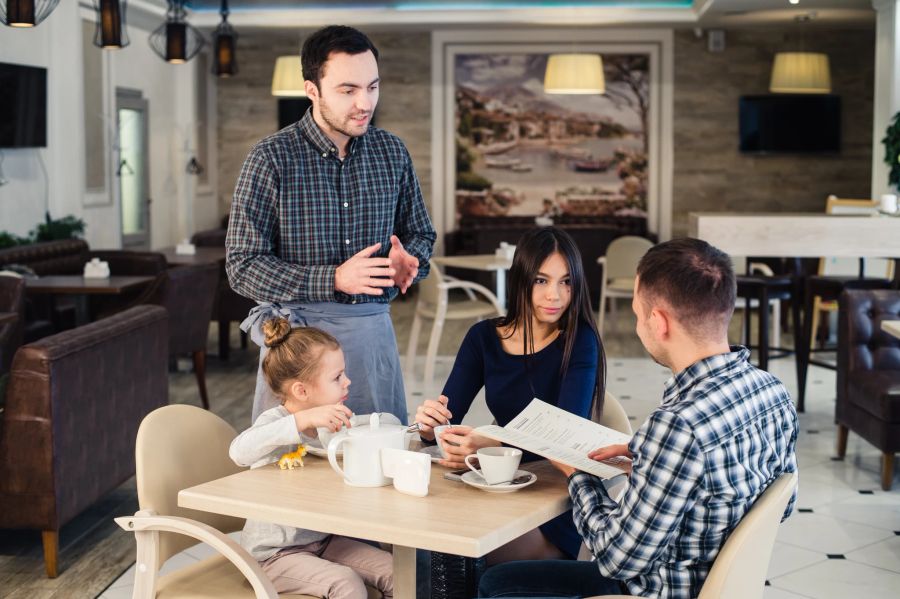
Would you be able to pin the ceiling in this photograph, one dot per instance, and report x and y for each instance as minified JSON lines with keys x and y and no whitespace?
{"x":706,"y":13}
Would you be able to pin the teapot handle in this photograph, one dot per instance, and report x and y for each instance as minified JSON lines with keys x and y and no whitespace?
{"x":332,"y":452}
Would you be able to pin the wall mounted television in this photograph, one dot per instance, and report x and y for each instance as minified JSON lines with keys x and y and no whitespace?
{"x":790,"y":124}
{"x":23,"y":106}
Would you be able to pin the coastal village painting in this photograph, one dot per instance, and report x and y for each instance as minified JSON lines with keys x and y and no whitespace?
{"x":521,"y":152}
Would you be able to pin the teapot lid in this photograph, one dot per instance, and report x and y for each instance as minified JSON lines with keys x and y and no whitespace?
{"x":375,"y":427}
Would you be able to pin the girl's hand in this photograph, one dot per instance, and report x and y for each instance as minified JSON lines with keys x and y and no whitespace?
{"x":432,"y":413}
{"x":459,"y":441}
{"x":332,"y":417}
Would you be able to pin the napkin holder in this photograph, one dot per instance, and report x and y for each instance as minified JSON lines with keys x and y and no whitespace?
{"x":96,"y":269}
{"x":185,"y":248}
{"x":506,"y":251}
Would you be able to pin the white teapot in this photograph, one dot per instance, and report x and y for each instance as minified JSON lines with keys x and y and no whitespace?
{"x":362,"y":452}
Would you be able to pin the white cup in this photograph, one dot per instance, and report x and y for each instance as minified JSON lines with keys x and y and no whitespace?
{"x":889,"y":203}
{"x":410,"y":470}
{"x":498,"y":464}
{"x":438,"y":430}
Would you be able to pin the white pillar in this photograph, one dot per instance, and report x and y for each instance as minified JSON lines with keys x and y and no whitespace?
{"x":887,"y":85}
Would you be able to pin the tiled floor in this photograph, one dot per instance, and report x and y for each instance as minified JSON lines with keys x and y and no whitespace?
{"x":842,"y":541}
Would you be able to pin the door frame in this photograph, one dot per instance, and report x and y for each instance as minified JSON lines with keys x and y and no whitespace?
{"x":133,"y":99}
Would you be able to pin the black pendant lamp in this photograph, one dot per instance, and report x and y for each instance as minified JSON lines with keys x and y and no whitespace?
{"x":176,"y":41}
{"x":224,"y":41}
{"x":25,"y":13}
{"x":111,"y":32}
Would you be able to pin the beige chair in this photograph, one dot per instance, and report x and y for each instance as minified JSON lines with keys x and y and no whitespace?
{"x":619,"y":268}
{"x":181,"y":446}
{"x":434,"y":303}
{"x":739,"y":571}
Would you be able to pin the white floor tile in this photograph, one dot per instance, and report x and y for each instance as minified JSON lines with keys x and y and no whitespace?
{"x":841,"y":579}
{"x":881,"y":510}
{"x":813,"y":493}
{"x":788,"y":558}
{"x":826,"y":534}
{"x":771,"y":592}
{"x":885,"y":554}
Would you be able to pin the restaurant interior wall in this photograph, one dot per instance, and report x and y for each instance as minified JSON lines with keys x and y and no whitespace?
{"x":709,"y":172}
{"x":57,"y":45}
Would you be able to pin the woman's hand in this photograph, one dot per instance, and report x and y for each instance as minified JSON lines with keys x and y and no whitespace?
{"x":459,"y":441}
{"x":332,"y":417}
{"x":432,"y":413}
{"x":614,"y":455}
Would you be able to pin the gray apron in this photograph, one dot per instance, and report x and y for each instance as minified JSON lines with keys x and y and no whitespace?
{"x":366,"y":335}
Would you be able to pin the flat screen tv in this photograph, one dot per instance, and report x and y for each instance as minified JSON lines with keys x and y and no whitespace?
{"x":23,"y":106}
{"x":790,"y":124}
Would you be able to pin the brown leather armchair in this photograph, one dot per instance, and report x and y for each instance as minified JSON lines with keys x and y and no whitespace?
{"x":12,"y":300}
{"x":74,"y":403}
{"x":868,"y":374}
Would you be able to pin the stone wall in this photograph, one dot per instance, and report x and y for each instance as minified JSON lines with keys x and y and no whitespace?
{"x":709,"y":172}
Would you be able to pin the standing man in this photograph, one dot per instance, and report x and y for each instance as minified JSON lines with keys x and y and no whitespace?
{"x":328,"y":223}
{"x":724,"y":432}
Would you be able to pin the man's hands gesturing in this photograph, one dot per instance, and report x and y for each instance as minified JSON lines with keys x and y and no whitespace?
{"x":362,"y":274}
{"x":406,"y":266}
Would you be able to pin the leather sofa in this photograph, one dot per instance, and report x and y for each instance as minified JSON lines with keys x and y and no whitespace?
{"x":868,"y":374}
{"x":74,"y":403}
{"x":12,"y":300}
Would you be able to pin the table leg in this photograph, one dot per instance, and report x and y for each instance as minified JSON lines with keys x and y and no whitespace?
{"x":500,"y":278}
{"x":404,"y":572}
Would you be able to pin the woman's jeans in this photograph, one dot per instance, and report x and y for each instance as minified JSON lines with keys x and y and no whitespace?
{"x":548,"y":578}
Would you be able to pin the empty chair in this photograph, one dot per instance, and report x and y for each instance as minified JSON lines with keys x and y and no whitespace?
{"x":739,"y":571}
{"x":619,"y":268}
{"x":177,"y":447}
{"x":434,"y":303}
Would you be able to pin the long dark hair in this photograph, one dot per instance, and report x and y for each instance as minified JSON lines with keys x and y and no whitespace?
{"x":532,"y":249}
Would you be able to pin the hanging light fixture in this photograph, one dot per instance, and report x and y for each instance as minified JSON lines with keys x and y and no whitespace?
{"x":801,"y":72}
{"x":25,"y":13}
{"x":287,"y":78}
{"x":224,"y":40}
{"x":176,"y":41}
{"x":111,"y":32}
{"x":574,"y":74}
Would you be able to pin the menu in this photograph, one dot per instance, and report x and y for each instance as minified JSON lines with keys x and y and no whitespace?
{"x":561,"y":436}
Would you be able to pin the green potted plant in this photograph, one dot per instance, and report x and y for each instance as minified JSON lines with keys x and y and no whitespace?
{"x":891,"y":143}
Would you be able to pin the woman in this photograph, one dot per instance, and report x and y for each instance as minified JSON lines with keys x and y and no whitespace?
{"x":547,"y":346}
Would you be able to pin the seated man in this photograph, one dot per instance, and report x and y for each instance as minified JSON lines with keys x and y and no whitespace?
{"x":724,"y":431}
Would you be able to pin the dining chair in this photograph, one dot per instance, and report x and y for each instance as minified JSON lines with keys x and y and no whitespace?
{"x":434,"y":303}
{"x":739,"y":570}
{"x":619,"y":268}
{"x":180,"y":446}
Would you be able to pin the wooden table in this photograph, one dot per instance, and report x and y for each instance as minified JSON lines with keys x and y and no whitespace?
{"x":453,"y":518}
{"x":203,"y":255}
{"x":8,"y":317}
{"x":486,"y":262}
{"x":81,"y":287}
{"x":891,"y":327}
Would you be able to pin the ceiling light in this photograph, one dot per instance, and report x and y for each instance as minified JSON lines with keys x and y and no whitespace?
{"x":176,"y":41}
{"x":800,"y":73}
{"x":111,"y":32}
{"x":287,"y":78}
{"x":25,"y":13}
{"x":574,"y":74}
{"x":224,"y":40}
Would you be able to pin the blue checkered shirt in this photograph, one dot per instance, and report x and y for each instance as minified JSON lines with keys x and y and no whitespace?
{"x":299,"y":212}
{"x":724,"y":432}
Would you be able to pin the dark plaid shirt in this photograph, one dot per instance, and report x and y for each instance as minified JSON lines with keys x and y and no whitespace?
{"x":299,"y":212}
{"x":724,"y":432}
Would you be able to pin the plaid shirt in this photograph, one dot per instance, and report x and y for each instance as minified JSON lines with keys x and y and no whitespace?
{"x":724,"y":432}
{"x":299,"y":212}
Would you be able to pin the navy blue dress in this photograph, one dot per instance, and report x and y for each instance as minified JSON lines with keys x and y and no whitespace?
{"x":510,"y":383}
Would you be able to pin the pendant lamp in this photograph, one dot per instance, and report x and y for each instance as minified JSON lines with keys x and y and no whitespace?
{"x":111,"y":32}
{"x":224,"y":42}
{"x":176,"y":41}
{"x":574,"y":74}
{"x":800,"y":71}
{"x":287,"y":78}
{"x":25,"y":13}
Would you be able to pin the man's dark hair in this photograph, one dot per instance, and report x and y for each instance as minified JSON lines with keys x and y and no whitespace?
{"x":695,"y":279}
{"x":334,"y":38}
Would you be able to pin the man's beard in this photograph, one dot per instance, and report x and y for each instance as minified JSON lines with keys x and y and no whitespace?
{"x":336,"y":125}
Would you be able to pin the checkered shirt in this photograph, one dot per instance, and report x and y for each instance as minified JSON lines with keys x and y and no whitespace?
{"x":299,"y":212}
{"x":724,"y":432}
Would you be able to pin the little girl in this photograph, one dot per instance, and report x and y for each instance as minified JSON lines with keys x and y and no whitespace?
{"x":305,"y":367}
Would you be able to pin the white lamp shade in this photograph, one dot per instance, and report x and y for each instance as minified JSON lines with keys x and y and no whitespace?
{"x":287,"y":80}
{"x":800,"y":73}
{"x":574,"y":74}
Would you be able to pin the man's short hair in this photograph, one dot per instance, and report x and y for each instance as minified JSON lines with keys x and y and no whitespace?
{"x":334,"y":38}
{"x":695,"y":279}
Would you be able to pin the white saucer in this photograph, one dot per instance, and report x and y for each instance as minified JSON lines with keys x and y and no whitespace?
{"x":320,"y":451}
{"x":433,"y":451}
{"x":474,"y":479}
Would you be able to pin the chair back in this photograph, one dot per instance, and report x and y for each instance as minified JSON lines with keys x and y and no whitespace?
{"x":739,"y":571}
{"x":188,"y":294}
{"x":613,"y":415}
{"x":177,"y":447}
{"x":623,"y":255}
{"x":429,"y":288}
{"x":873,"y":267}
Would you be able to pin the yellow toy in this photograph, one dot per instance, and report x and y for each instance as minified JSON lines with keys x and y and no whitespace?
{"x":294,"y":459}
